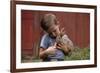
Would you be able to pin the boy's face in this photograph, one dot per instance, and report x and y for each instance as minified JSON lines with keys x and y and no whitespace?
{"x":54,"y":31}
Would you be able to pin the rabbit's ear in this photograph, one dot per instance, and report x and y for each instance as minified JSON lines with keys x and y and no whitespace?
{"x":62,"y":29}
{"x":62,"y":32}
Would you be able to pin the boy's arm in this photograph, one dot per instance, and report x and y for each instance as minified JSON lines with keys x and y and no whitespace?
{"x":45,"y":52}
{"x":43,"y":47}
{"x":42,"y":53}
{"x":66,"y":46}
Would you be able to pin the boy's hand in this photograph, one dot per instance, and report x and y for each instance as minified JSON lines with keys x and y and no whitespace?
{"x":51,"y":50}
{"x":63,"y":47}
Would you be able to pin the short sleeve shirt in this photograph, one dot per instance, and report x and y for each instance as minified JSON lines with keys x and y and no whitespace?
{"x":46,"y":42}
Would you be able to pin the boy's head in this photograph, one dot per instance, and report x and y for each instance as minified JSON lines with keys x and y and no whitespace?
{"x":49,"y":23}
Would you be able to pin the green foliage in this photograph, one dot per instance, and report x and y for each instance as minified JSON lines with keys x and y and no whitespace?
{"x":79,"y":54}
{"x":76,"y":54}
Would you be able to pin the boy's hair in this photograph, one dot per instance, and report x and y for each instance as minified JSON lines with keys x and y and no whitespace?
{"x":48,"y":20}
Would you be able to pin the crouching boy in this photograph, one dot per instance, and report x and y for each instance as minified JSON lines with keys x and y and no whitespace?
{"x":54,"y":44}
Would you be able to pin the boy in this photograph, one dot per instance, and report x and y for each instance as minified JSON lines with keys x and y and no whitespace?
{"x":54,"y":44}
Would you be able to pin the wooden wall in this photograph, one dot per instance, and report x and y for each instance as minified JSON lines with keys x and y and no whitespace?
{"x":77,"y":26}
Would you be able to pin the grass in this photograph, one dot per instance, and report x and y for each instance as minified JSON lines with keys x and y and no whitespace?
{"x":79,"y":54}
{"x":27,"y":59}
{"x":76,"y":54}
